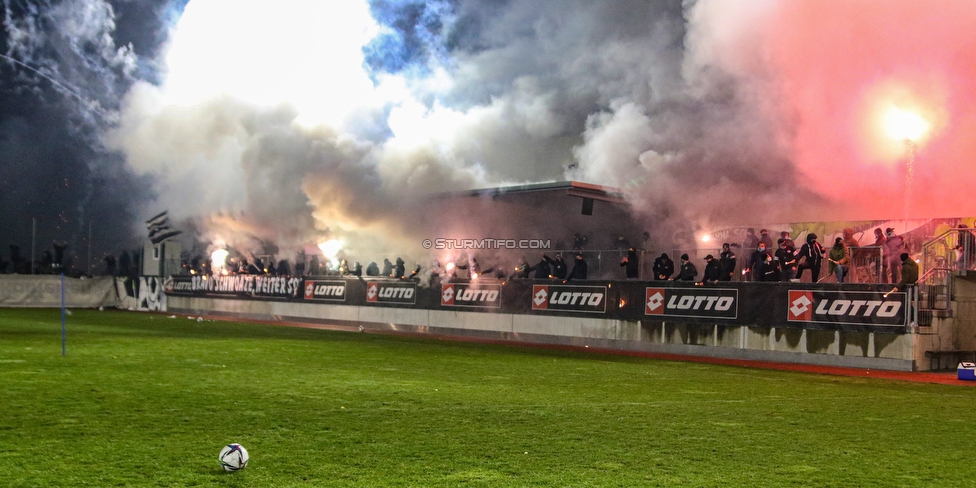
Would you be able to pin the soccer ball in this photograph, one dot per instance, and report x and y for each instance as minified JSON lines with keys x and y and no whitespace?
{"x":233,"y":457}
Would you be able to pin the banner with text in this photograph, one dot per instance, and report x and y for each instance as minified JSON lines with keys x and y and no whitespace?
{"x":847,"y":307}
{"x":569,"y":298}
{"x":484,"y":295}
{"x":258,"y":286}
{"x":809,"y":306}
{"x":325,"y":290}
{"x":709,"y":303}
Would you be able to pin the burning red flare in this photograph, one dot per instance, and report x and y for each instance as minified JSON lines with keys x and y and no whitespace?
{"x":861,"y":77}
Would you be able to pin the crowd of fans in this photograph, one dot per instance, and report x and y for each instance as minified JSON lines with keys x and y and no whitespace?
{"x":886,"y":260}
{"x":56,"y":261}
{"x":765,"y":261}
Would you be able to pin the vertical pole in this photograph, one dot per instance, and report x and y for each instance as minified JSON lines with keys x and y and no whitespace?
{"x":913,"y":298}
{"x":33,"y":239}
{"x":89,"y":249}
{"x":64,"y":349}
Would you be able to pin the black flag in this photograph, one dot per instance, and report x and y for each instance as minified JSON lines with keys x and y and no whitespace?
{"x":159,"y":229}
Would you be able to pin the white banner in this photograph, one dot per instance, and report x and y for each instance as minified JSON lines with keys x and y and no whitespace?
{"x":44,"y":291}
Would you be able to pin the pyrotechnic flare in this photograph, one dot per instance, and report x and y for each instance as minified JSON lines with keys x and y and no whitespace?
{"x":905,"y":125}
{"x":219,"y":259}
{"x":330,"y":249}
{"x":909,"y":127}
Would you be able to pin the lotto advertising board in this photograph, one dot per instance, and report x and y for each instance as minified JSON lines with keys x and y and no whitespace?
{"x":325,"y":290}
{"x":828,"y":307}
{"x":478,"y":295}
{"x":789,"y":305}
{"x":399,"y":292}
{"x":699,"y":302}
{"x":569,"y":298}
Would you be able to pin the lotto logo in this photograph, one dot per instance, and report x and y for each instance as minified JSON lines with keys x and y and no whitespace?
{"x":372,"y":292}
{"x":801,"y":305}
{"x":654,"y":301}
{"x":482,"y":295}
{"x":712,"y":303}
{"x":334,"y":291}
{"x":540,"y":297}
{"x":447,"y":294}
{"x":569,"y":298}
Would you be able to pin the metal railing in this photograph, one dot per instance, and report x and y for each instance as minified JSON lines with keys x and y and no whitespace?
{"x":953,"y":251}
{"x":866,"y":263}
{"x":602,"y":264}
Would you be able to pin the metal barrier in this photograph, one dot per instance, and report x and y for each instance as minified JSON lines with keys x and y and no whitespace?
{"x":866,"y":264}
{"x":604,"y":264}
{"x":940,"y":259}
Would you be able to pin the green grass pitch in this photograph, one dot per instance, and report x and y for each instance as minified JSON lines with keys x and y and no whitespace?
{"x":146,"y":400}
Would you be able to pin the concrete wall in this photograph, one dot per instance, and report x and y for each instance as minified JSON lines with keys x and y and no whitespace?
{"x":952,"y":331}
{"x":830,"y":348}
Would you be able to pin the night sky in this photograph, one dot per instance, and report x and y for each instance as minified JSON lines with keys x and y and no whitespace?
{"x":53,"y":167}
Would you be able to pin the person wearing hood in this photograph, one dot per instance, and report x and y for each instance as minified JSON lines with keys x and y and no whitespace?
{"x":688,"y":271}
{"x":387,"y":267}
{"x":840,"y":259}
{"x":543,"y":270}
{"x":726,"y":263}
{"x":632,"y":264}
{"x":812,"y":254}
{"x":399,"y":269}
{"x":558,"y":267}
{"x":579,"y":269}
{"x":663,"y":268}
{"x":909,"y":272}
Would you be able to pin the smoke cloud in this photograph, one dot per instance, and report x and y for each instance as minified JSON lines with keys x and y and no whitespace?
{"x":314,"y":120}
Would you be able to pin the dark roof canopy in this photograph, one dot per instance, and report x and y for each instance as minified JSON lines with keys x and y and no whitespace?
{"x":569,"y":188}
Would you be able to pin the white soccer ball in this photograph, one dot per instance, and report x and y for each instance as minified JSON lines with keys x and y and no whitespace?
{"x":233,"y":457}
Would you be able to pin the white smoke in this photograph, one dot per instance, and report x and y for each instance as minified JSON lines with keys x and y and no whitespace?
{"x":268,"y":127}
{"x":70,"y":44}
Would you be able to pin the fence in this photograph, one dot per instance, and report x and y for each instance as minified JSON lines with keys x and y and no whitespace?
{"x":866,"y":264}
{"x":940,"y":259}
{"x":602,"y":264}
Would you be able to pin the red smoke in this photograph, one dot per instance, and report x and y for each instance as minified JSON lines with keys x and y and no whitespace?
{"x":842,"y":64}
